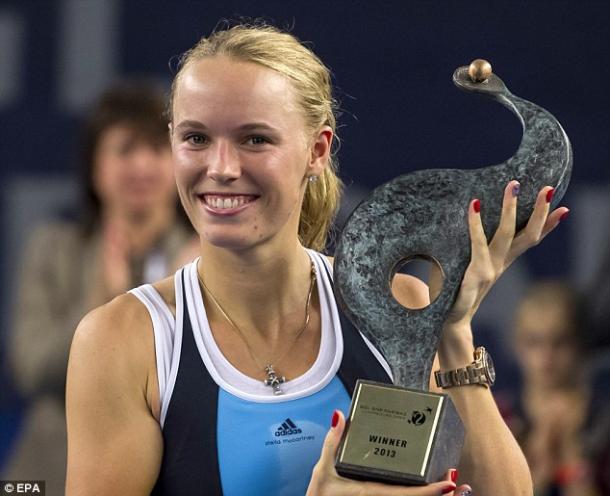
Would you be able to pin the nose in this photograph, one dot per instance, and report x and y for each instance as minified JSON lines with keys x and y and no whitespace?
{"x":223,"y":162}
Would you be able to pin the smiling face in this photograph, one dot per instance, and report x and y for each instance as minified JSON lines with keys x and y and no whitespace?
{"x":242,"y":152}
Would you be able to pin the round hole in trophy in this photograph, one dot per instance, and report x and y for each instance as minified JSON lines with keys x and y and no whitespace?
{"x":424,"y":268}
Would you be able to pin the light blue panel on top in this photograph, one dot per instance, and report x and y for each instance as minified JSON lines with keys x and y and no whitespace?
{"x":269,"y":449}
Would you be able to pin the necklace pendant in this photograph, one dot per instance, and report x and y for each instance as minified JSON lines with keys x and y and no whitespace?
{"x":273,"y":380}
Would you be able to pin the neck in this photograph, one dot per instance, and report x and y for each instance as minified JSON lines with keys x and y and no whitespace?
{"x":261,"y":289}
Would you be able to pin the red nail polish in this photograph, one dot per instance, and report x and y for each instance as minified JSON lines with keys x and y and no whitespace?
{"x":549,"y":195}
{"x":476,"y":206}
{"x":564,"y":216}
{"x":448,"y":489}
{"x":335,"y":420}
{"x":454,"y":475}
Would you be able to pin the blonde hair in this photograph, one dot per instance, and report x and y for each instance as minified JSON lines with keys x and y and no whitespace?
{"x":284,"y":53}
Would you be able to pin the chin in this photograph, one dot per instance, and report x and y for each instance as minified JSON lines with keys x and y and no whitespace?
{"x":230,"y":241}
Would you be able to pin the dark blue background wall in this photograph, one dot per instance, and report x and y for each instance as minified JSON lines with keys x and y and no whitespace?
{"x":392,"y":62}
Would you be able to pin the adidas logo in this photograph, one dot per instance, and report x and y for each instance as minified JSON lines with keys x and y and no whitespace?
{"x":288,"y":428}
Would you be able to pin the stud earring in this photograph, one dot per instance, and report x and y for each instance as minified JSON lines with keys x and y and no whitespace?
{"x":312,"y":179}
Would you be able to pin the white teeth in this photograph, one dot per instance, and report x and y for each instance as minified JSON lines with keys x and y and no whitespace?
{"x":222,"y":203}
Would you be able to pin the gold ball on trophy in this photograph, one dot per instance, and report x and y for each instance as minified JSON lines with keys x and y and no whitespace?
{"x":479,"y":70}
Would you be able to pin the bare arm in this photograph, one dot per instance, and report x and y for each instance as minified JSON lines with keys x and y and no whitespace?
{"x":492,"y":461}
{"x":488,"y":439}
{"x":114,"y":441}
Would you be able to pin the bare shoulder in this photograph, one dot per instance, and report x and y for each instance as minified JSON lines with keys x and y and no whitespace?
{"x":118,"y":338}
{"x":112,"y":433}
{"x":118,"y":328}
{"x":408,"y":290}
{"x":166,"y":289}
{"x":113,"y":347}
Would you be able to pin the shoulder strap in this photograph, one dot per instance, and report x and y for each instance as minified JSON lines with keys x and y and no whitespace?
{"x":190,"y":456}
{"x":163,"y":329}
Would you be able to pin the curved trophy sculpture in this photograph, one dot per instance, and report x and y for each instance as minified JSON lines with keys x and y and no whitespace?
{"x":424,"y":215}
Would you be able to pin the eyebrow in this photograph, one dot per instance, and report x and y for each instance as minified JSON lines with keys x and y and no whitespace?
{"x":195,"y":124}
{"x":245,"y":127}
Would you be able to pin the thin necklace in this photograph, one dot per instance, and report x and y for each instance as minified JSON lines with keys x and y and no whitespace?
{"x":273,"y":380}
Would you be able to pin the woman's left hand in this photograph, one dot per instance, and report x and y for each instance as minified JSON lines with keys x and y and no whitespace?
{"x":489,"y":261}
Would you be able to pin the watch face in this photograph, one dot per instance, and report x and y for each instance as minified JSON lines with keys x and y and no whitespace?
{"x":490,"y":371}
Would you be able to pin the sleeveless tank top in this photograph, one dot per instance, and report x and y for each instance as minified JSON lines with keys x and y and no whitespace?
{"x":225,"y":433}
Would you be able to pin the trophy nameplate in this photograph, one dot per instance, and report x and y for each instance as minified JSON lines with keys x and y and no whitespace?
{"x":395,"y":441}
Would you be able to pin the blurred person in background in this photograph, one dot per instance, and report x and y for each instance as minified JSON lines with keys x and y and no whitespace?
{"x":553,"y":414}
{"x":132,"y":231}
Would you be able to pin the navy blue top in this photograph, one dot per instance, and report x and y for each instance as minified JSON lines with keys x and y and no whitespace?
{"x":218,"y":444}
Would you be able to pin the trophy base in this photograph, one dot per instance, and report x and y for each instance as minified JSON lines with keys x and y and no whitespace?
{"x":401,"y":436}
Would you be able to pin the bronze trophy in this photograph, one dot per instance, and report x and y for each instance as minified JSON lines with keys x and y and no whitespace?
{"x":402,"y":433}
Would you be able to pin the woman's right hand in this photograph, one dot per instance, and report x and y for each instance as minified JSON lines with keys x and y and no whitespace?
{"x":325,"y":480}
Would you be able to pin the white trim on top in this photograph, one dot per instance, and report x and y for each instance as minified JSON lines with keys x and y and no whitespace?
{"x":234,"y":381}
{"x":167,"y":332}
{"x":168,"y":342}
{"x":166,"y":395}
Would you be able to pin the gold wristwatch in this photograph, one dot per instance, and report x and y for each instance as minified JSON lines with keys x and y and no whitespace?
{"x":481,"y":371}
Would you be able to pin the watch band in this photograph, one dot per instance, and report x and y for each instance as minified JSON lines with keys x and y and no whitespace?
{"x":460,"y":377}
{"x":474,"y":373}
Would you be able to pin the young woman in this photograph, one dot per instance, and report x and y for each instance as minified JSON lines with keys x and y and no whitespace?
{"x":165,"y":384}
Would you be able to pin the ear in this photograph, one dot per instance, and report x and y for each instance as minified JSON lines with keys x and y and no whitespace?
{"x":170,"y":132}
{"x":320,"y":151}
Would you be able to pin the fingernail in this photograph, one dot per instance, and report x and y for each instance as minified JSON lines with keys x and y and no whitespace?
{"x":335,"y":420}
{"x":549,"y":195}
{"x":454,"y":475}
{"x":448,"y":489}
{"x":564,"y":216}
{"x":516,"y":190}
{"x":476,"y":206}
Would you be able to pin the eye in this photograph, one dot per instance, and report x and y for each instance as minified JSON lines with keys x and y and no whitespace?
{"x":196,"y":139}
{"x":257,"y":140}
